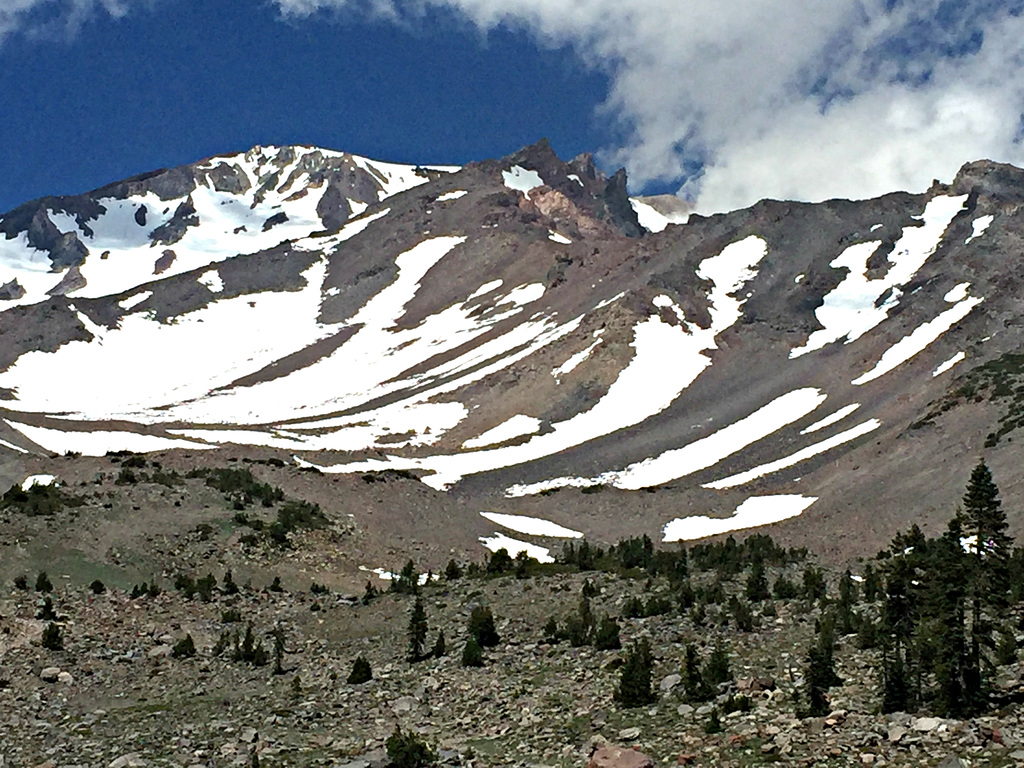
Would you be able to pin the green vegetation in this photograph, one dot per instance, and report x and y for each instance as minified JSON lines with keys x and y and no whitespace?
{"x":634,"y":689}
{"x":39,"y":500}
{"x":361,"y":672}
{"x":406,"y":750}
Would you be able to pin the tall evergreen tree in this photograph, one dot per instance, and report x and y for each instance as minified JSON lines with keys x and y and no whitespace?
{"x":634,"y":689}
{"x":417,"y":631}
{"x":757,"y":582}
{"x":988,"y":574}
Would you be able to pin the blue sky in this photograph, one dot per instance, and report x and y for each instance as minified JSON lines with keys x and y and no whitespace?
{"x":170,"y":86}
{"x":724,"y":102}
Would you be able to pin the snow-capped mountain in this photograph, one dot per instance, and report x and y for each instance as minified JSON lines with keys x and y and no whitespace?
{"x":520,"y":326}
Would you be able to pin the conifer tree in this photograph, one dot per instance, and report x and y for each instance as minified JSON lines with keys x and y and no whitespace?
{"x":757,"y":582}
{"x":988,"y":547}
{"x":439,"y":649}
{"x":821,"y":673}
{"x":693,"y":679}
{"x":361,"y":671}
{"x":634,"y":689}
{"x":481,"y":627}
{"x":417,"y":632}
{"x":606,"y":638}
{"x":847,"y":599}
{"x":717,"y":670}
{"x":872,"y":585}
{"x":472,"y":653}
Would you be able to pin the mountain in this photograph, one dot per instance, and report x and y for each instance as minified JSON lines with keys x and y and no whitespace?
{"x":519,"y":337}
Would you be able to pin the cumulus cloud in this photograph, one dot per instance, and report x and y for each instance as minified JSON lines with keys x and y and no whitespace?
{"x":55,"y":18}
{"x":743,"y":99}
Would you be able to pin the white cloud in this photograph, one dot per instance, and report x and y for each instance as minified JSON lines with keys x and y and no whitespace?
{"x":782,"y":98}
{"x":56,"y":18}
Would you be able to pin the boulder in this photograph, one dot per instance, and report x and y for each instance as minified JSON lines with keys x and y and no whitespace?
{"x":670,"y":682}
{"x":611,"y":756}
{"x":50,"y":674}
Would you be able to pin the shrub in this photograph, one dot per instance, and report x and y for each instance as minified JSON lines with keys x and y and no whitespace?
{"x":439,"y":649}
{"x":714,"y":723}
{"x":275,"y":585}
{"x":785,"y":589}
{"x":452,"y":571}
{"x":607,"y":636}
{"x":316,"y":588}
{"x":406,"y":750}
{"x":229,"y":587}
{"x":184,"y":648}
{"x":361,"y":672}
{"x":231,"y":616}
{"x":481,"y":627}
{"x":46,"y":612}
{"x":98,"y":587}
{"x":551,"y":634}
{"x":21,"y":582}
{"x":53,"y":638}
{"x":472,"y":653}
{"x":43,"y":583}
{"x":370,"y":593}
{"x":500,"y":562}
{"x":634,"y":689}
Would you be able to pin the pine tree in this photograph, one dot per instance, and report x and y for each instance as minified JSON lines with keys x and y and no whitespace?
{"x":472,"y":653}
{"x":634,"y":689}
{"x":757,"y":582}
{"x":821,"y":673}
{"x":53,"y":639}
{"x":872,"y":586}
{"x":361,"y":672}
{"x":481,"y":626}
{"x":408,"y":580}
{"x":439,"y":648}
{"x":606,"y":638}
{"x":452,"y":571}
{"x":43,"y":583}
{"x":717,"y":670}
{"x":693,"y":679}
{"x":417,"y":632}
{"x":847,"y":599}
{"x":988,"y":576}
{"x":184,"y":648}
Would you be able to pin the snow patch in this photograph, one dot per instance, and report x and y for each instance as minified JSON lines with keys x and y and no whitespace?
{"x":517,"y":426}
{"x":557,"y":238}
{"x":752,"y":513}
{"x":212,"y":280}
{"x":913,"y":343}
{"x":825,"y":445}
{"x":484,"y":289}
{"x":532,"y":526}
{"x":522,"y":180}
{"x":40,"y":480}
{"x":849,"y":311}
{"x":133,"y":301}
{"x":573,"y":362}
{"x":979,"y":226}
{"x":957,"y":293}
{"x":652,"y":219}
{"x":514,"y":547}
{"x":834,"y":418}
{"x":957,"y":358}
{"x":454,"y":195}
{"x":99,"y":442}
{"x":699,"y":454}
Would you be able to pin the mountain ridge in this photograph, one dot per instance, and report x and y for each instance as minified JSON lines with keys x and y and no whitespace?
{"x":507,"y":329}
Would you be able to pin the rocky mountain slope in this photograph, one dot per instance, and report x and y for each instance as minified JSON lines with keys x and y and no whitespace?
{"x":519,"y":337}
